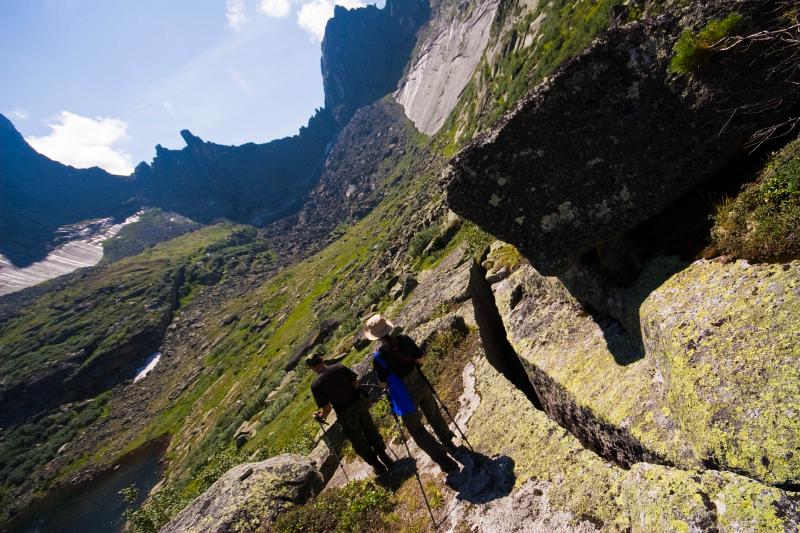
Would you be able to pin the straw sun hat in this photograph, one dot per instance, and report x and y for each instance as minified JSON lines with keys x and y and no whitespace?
{"x":377,"y":327}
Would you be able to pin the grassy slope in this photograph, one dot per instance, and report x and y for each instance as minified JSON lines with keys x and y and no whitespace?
{"x":247,"y":364}
{"x":63,"y":322}
{"x":132,"y":293}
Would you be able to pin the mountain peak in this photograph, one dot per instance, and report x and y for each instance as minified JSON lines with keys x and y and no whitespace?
{"x":7,"y":129}
{"x":191,"y":139}
{"x":4,"y":122}
{"x":12,"y":144}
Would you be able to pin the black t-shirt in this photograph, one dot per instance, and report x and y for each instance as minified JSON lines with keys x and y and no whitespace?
{"x":335,"y":386}
{"x":400,"y":354}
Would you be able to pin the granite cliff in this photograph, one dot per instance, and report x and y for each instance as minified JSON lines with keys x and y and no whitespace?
{"x":364,"y":52}
{"x":450,"y":47}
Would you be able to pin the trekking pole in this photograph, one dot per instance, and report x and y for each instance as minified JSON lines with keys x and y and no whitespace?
{"x":368,"y":386}
{"x":446,"y":410}
{"x":330,"y":447}
{"x":416,"y":471}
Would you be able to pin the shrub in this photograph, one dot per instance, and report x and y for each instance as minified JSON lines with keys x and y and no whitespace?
{"x":358,"y":506}
{"x":475,"y":238}
{"x":159,"y":509}
{"x":693,"y":50}
{"x":384,"y":419}
{"x":763,"y":222}
{"x":420,"y":240}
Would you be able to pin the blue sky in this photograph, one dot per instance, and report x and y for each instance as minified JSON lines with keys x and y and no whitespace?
{"x":101,"y":82}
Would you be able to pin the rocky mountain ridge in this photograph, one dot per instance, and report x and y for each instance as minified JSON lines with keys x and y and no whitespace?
{"x":363,"y":56}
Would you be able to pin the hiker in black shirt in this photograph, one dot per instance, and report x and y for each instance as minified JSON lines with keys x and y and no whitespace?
{"x":403,"y":357}
{"x":336,"y":387}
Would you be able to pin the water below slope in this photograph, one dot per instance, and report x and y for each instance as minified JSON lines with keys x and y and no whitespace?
{"x":96,"y":507}
{"x":84,"y":247}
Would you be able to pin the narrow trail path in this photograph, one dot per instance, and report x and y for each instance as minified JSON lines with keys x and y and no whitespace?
{"x":482,"y":496}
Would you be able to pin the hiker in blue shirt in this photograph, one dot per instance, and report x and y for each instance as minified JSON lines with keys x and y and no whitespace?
{"x":396,"y":362}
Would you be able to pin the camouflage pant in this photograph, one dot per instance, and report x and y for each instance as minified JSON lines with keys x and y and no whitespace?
{"x":360,"y":430}
{"x":423,"y":397}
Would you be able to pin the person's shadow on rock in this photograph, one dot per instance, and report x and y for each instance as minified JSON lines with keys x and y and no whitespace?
{"x":403,"y":469}
{"x":482,"y":479}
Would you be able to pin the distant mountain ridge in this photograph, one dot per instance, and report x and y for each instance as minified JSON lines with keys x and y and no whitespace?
{"x":38,"y":195}
{"x":251,"y":183}
{"x":363,"y":55}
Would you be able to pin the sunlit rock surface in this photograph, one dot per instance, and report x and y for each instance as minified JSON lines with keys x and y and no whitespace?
{"x":250,"y":495}
{"x":443,"y":64}
{"x":716,"y":386}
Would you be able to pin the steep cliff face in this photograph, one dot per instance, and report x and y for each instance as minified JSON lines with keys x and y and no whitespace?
{"x":39,"y":195}
{"x":364,"y":52}
{"x":453,"y":44}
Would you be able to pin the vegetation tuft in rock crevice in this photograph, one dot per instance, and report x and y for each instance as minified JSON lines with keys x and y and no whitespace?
{"x":762,"y":222}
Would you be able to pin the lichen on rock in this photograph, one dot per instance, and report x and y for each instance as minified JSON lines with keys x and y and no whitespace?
{"x":718,"y":385}
{"x":664,"y":499}
{"x":726,"y":338}
{"x":250,"y":495}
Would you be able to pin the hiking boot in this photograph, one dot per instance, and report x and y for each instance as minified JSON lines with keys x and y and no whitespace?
{"x":447,"y":465}
{"x":450,"y":446}
{"x":448,"y":443}
{"x":385,"y":459}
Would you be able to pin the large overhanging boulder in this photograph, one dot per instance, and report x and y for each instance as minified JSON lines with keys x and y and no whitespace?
{"x":249,"y":496}
{"x":612,"y":138}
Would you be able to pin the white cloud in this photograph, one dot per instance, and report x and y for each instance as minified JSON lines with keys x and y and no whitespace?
{"x":235,"y":13}
{"x":313,"y":15}
{"x":275,"y":8}
{"x":169,"y":107}
{"x":20,"y":114}
{"x":85,"y":142}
